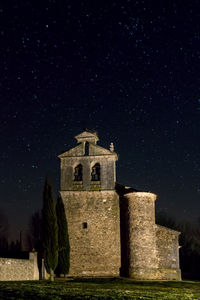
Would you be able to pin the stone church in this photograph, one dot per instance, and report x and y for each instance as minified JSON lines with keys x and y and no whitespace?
{"x":112,"y":228}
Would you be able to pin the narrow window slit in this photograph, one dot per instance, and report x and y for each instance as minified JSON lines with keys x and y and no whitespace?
{"x":85,"y":225}
{"x":86,"y":149}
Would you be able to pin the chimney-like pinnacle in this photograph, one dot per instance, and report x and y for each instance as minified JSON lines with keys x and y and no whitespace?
{"x":111,"y":147}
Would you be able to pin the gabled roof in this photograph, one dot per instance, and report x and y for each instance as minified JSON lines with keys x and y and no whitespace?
{"x":76,"y":151}
{"x":98,"y":150}
{"x":94,"y":150}
{"x":87,"y":136}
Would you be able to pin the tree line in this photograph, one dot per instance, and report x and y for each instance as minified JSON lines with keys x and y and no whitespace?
{"x":55,"y":239}
{"x":48,"y":235}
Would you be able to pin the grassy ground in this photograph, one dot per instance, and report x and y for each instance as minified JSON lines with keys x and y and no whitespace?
{"x":99,"y":289}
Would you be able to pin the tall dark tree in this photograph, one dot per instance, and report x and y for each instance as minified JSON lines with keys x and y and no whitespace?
{"x":63,"y":239}
{"x":50,"y":229}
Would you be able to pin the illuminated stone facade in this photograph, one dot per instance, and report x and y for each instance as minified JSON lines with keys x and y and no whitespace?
{"x":112,"y":230}
{"x":13,"y":269}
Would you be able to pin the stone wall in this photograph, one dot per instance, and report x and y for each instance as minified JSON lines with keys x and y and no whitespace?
{"x":94,"y":232}
{"x":19,"y":269}
{"x":142,"y":239}
{"x":103,"y":236}
{"x":149,"y":251}
{"x":168,"y":253}
{"x":107,"y":164}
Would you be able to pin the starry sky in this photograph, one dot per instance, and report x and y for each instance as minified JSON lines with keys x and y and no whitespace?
{"x":127,"y":69}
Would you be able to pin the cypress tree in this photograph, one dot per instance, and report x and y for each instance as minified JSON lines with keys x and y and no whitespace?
{"x":63,"y":239}
{"x":50,"y":229}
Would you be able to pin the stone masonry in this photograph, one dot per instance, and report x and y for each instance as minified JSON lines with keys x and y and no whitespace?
{"x":19,"y":269}
{"x":92,"y":208}
{"x":95,"y":249}
{"x":153,"y":249}
{"x":112,"y":228}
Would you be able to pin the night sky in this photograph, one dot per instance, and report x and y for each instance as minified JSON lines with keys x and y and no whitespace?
{"x":128,"y":69}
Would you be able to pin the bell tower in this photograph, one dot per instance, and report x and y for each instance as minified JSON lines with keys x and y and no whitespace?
{"x":88,"y":167}
{"x":88,"y":176}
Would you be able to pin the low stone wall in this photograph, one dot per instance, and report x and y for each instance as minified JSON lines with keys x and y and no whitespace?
{"x":19,"y":269}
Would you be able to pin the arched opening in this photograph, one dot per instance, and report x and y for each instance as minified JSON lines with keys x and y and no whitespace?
{"x":95,"y":175}
{"x":78,"y":173}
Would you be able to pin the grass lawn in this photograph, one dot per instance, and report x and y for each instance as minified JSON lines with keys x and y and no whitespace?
{"x":115,"y":288}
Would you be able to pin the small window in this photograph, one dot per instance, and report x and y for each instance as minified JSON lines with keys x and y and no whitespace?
{"x":84,"y":225}
{"x":78,"y":173}
{"x":95,"y":175}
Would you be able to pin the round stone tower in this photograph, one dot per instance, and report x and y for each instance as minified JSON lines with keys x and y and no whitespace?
{"x":142,"y":235}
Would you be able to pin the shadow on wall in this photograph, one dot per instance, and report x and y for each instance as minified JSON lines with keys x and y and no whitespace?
{"x":124,"y":228}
